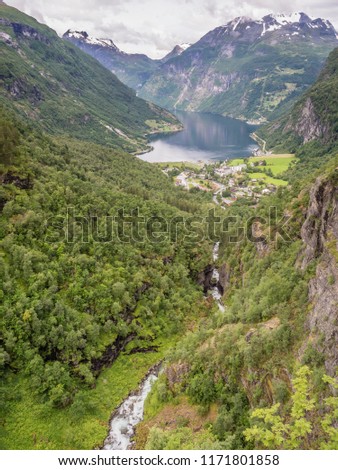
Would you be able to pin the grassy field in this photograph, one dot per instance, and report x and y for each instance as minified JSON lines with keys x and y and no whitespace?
{"x":162,"y":126}
{"x":276,"y":163}
{"x":267,"y":179}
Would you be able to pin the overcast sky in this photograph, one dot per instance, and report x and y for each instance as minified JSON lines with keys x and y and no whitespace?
{"x":156,"y":26}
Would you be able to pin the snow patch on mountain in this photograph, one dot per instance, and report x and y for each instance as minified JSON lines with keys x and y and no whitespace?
{"x":236,"y":23}
{"x":272,"y":27}
{"x":83,"y":36}
{"x":283,"y":19}
{"x":184,"y":46}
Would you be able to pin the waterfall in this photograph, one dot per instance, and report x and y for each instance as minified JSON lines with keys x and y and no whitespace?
{"x":128,"y":415}
{"x":215,"y":291}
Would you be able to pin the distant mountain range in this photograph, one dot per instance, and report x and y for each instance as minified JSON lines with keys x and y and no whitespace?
{"x":246,"y":69}
{"x":175,"y":52}
{"x":63,"y":90}
{"x":132,"y":69}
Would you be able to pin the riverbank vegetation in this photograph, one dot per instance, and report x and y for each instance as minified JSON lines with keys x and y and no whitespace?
{"x":247,"y":357}
{"x":77,"y":291}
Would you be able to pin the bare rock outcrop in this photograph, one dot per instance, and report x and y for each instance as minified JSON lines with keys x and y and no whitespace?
{"x":308,"y":125}
{"x":320,"y":234}
{"x":321,"y":219}
{"x":224,"y":277}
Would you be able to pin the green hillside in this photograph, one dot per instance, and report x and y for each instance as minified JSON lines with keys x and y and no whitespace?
{"x":131,"y":69}
{"x":65,"y":91}
{"x":88,"y":290}
{"x":313,"y":118}
{"x":80,"y":284}
{"x":236,"y":381}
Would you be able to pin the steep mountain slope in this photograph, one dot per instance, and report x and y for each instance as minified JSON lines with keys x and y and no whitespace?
{"x":90,"y":297}
{"x":177,"y":50}
{"x":237,"y":381}
{"x":131,"y":69}
{"x":245,"y":69}
{"x":313,"y":118}
{"x":85,"y":282}
{"x":55,"y":84}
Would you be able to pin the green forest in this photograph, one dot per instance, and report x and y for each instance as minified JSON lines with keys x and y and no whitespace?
{"x":69,"y":304}
{"x":102,"y":262}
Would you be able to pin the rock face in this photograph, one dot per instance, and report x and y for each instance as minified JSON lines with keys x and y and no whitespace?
{"x":321,"y":220}
{"x":309,"y":125}
{"x":204,"y":278}
{"x":175,"y":374}
{"x":313,"y":117}
{"x":224,"y":278}
{"x":320,"y":235}
{"x":177,"y":50}
{"x":25,"y":31}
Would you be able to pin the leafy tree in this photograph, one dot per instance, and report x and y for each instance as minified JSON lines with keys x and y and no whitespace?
{"x":273,"y":430}
{"x":183,"y":438}
{"x":329,"y":422}
{"x":270,"y":431}
{"x":9,"y":141}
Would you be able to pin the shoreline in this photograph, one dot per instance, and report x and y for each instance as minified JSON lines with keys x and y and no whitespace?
{"x":259,"y":141}
{"x":158,"y":133}
{"x":150,"y":148}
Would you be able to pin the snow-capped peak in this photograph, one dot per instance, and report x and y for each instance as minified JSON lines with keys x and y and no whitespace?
{"x":83,"y":36}
{"x":184,"y":46}
{"x":273,"y":22}
{"x":281,"y":18}
{"x":237,"y":21}
{"x":76,"y":34}
{"x":296,"y":24}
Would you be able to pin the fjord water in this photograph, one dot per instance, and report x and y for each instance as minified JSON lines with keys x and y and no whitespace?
{"x":206,"y":137}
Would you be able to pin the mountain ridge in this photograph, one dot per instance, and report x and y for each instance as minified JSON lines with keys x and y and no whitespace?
{"x":245,"y":69}
{"x":64,"y":90}
{"x":131,"y":69}
{"x":239,"y":69}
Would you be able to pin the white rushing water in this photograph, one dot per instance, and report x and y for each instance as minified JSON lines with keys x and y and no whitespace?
{"x":215,"y":252}
{"x":130,"y":412}
{"x":127,"y":416}
{"x":215,"y":277}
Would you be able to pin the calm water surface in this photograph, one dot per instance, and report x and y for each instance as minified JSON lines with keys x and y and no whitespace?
{"x":205,"y":137}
